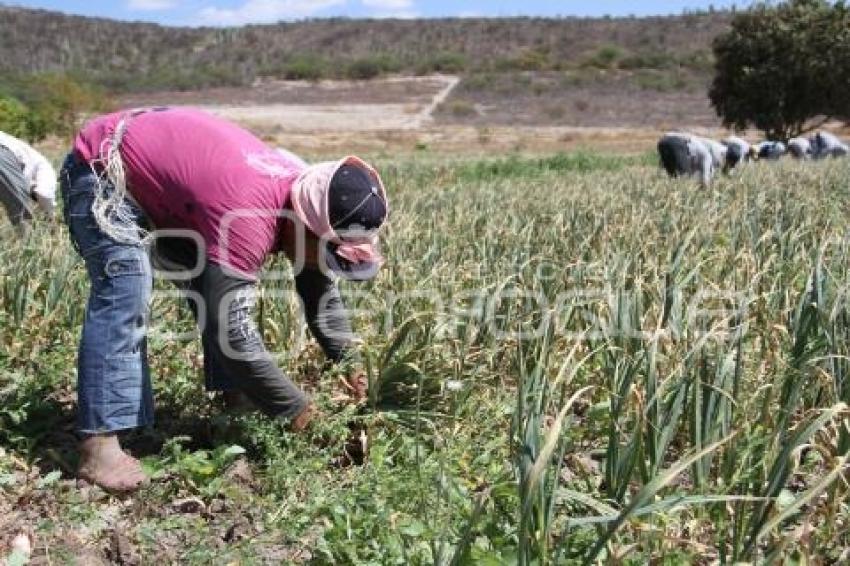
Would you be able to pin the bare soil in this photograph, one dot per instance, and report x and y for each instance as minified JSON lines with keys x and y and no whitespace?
{"x":603,"y":110}
{"x":302,"y":93}
{"x":408,"y":114}
{"x":585,"y":98}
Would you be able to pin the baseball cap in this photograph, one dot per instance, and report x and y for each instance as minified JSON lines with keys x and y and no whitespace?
{"x":354,"y":201}
{"x":345,"y":204}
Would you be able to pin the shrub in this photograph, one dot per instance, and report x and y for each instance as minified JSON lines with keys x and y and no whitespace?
{"x":363,"y":69}
{"x":605,"y":57}
{"x":461,"y":108}
{"x":526,"y":60}
{"x":371,"y":67}
{"x":699,"y":60}
{"x":59,"y":100}
{"x":14,"y":118}
{"x":304,"y":68}
{"x":37,"y":105}
{"x":533,"y":60}
{"x":478,"y":81}
{"x":443,"y":62}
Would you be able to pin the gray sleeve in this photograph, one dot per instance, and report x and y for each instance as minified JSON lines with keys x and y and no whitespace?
{"x":14,"y":188}
{"x":325,"y":313}
{"x":237,"y":346}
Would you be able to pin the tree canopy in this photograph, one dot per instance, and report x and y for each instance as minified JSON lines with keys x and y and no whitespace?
{"x":784,"y":69}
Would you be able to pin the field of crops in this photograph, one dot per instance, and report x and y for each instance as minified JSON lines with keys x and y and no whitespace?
{"x":572,"y":359}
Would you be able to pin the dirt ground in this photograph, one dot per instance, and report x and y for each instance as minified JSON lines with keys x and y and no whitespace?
{"x":445,"y":115}
{"x":470,"y":140}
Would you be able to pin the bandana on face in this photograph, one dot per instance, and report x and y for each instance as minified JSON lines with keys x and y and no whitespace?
{"x":310,"y":203}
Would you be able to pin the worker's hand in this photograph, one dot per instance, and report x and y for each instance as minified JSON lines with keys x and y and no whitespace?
{"x":304,"y":418}
{"x":356,"y":386}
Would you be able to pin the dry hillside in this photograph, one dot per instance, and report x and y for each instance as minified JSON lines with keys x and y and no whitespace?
{"x":139,"y":56}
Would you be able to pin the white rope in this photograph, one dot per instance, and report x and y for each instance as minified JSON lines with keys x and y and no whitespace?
{"x":112,"y":211}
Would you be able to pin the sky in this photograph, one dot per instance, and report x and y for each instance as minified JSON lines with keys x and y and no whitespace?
{"x":239,"y":12}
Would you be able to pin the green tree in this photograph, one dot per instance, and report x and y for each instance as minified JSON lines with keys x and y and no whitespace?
{"x":784,"y":69}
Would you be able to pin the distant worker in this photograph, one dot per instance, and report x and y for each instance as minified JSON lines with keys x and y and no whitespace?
{"x":800,"y":148}
{"x":738,"y":151}
{"x":826,"y":145}
{"x":26,"y":178}
{"x":770,"y":150}
{"x":236,"y":202}
{"x":685,"y":154}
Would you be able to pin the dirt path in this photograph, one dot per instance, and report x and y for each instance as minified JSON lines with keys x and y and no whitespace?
{"x":426,"y":116}
{"x":399,"y":103}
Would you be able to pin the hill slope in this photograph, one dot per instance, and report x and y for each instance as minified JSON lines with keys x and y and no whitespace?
{"x":127,"y":56}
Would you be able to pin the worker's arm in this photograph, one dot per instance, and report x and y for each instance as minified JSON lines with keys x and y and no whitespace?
{"x":325,"y":312}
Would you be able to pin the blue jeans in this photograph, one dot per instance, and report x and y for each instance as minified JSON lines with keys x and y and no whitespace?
{"x":113,"y":378}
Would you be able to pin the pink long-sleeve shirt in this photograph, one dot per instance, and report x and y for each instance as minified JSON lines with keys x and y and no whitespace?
{"x":190,"y":170}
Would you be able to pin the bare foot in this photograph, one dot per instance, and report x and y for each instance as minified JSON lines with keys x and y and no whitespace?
{"x":104,"y":463}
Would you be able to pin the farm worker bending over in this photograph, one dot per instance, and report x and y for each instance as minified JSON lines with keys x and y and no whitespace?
{"x":770,"y":150}
{"x":26,"y":178}
{"x":800,"y":148}
{"x":242,"y":201}
{"x":737,"y":151}
{"x":825,"y":145}
{"x":685,"y":154}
